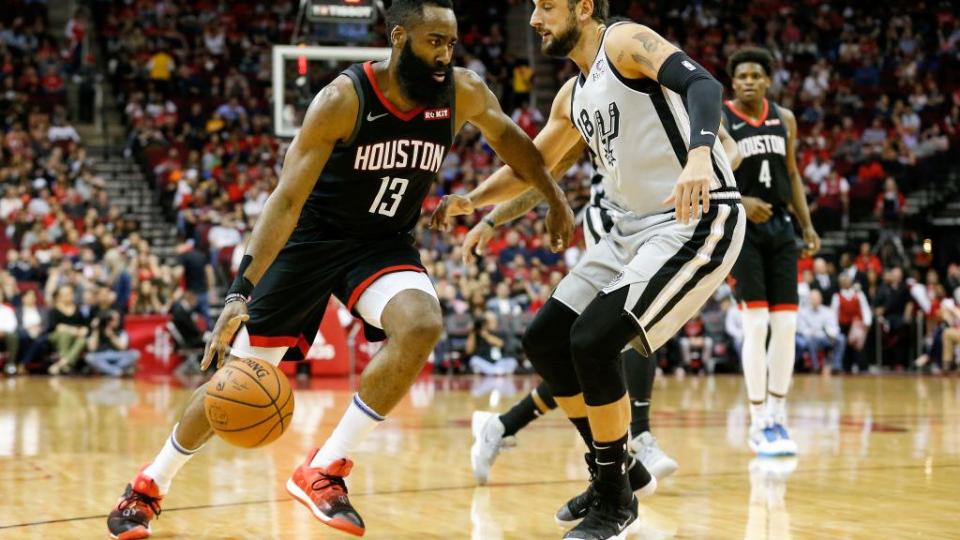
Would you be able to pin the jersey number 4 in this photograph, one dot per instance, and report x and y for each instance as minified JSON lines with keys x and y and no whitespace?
{"x":395,"y":187}
{"x":765,"y":177}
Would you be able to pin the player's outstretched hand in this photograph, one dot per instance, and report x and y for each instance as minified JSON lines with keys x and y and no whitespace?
{"x":476,"y":241}
{"x":559,"y":224}
{"x":811,"y":242}
{"x":233,"y":315}
{"x":692,"y":192}
{"x":758,"y":210}
{"x":450,"y":206}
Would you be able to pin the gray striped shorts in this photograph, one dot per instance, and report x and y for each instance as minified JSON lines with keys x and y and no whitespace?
{"x":670,"y":268}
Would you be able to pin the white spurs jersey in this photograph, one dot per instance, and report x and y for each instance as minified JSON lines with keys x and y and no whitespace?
{"x":639,"y":132}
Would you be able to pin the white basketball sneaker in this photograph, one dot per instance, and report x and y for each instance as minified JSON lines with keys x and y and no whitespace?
{"x":764,"y":440}
{"x":787,"y":446}
{"x":644,"y":447}
{"x":487,"y":440}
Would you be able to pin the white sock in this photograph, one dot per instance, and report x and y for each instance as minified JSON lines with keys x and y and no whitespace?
{"x":168,"y":462}
{"x":758,"y":414}
{"x":782,"y":355}
{"x":754,"y":356}
{"x":358,"y":421}
{"x":776,"y":408}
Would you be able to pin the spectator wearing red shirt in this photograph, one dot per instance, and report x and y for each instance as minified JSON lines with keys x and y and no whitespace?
{"x":833,"y":205}
{"x":866,"y":260}
{"x":854,"y":316}
{"x":528,"y":118}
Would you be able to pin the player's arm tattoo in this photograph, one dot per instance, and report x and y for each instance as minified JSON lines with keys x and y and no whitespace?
{"x":648,"y":40}
{"x":512,"y":209}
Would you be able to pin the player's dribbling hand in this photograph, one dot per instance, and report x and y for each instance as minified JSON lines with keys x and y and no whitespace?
{"x":450,"y":206}
{"x":758,"y":210}
{"x":476,"y":241}
{"x":233,"y":315}
{"x":559,"y":222}
{"x":811,"y":242}
{"x":692,"y":192}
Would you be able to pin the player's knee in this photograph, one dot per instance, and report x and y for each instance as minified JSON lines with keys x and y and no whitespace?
{"x":546,"y":337}
{"x":546,"y":345}
{"x":783,"y":322}
{"x":596,"y":356}
{"x":413,"y":318}
{"x":422,"y":332}
{"x":538,"y":342}
{"x":756,"y":322}
{"x":590,"y":342}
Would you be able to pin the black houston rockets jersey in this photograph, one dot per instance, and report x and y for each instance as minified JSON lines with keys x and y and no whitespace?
{"x":763,"y":145}
{"x":374,"y":184}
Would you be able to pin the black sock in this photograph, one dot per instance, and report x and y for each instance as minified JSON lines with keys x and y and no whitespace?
{"x":640,"y":372}
{"x":526,"y":410}
{"x":546,"y":396}
{"x":612,"y":482}
{"x":583,"y":426}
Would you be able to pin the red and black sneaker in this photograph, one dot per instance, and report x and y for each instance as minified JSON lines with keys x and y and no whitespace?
{"x":324,"y":492}
{"x":140,"y":502}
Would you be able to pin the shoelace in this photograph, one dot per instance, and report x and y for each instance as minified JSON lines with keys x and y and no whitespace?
{"x":587,"y":495}
{"x":591,"y":467}
{"x":333,"y":482}
{"x":146,"y":500}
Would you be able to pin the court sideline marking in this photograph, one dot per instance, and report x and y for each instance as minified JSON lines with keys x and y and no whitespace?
{"x":472,"y":486}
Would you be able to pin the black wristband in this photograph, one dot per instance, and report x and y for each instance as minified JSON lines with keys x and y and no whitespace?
{"x":241,"y":285}
{"x":489,"y":221}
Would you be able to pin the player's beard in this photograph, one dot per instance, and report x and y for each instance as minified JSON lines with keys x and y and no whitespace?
{"x":563,"y":42}
{"x":416,"y":79}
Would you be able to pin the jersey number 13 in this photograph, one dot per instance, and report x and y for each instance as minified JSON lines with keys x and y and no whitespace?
{"x":395,"y":187}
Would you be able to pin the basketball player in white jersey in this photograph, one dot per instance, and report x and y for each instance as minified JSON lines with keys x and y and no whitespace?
{"x":492,"y":431}
{"x":651,"y":115}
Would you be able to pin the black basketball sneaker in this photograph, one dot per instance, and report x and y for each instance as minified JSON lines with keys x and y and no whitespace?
{"x":605,"y":521}
{"x":140,"y":503}
{"x":642,"y":483}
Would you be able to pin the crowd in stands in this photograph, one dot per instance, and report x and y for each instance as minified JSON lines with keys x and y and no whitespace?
{"x":72,"y":266}
{"x":874,"y":92}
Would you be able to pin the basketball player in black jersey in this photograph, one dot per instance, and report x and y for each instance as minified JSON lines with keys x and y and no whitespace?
{"x":766,"y":271}
{"x":339,"y":223}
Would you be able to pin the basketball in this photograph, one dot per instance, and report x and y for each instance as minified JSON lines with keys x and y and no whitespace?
{"x":249,"y":403}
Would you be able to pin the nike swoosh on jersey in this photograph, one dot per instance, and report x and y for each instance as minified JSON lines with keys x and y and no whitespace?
{"x":738,"y":126}
{"x":705,"y":132}
{"x":371,"y":117}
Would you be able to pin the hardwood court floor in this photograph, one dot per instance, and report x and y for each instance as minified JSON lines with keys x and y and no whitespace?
{"x":880,"y":458}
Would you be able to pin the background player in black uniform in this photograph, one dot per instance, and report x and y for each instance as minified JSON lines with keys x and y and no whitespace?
{"x":766,"y":271}
{"x":339,"y":222}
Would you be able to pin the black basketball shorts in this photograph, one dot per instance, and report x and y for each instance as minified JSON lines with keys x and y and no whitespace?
{"x":766,"y":271}
{"x":289,"y":301}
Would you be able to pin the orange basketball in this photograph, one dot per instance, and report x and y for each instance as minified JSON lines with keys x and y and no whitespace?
{"x":249,"y":403}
